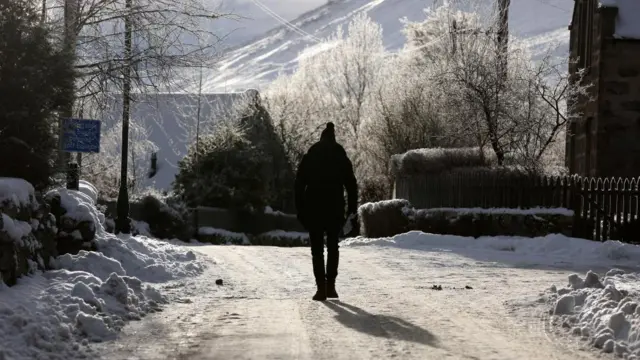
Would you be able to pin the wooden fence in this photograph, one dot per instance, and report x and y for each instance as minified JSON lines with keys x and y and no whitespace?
{"x":603,"y":208}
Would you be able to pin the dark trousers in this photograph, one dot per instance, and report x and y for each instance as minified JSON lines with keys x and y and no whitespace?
{"x":316,"y":237}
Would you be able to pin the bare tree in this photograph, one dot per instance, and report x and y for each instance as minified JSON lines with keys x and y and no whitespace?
{"x":548,"y":98}
{"x":134,"y":48}
{"x":336,"y":85}
{"x":170,"y":37}
{"x":506,"y":100}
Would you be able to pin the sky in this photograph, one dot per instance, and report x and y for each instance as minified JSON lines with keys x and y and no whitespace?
{"x":256,"y":20}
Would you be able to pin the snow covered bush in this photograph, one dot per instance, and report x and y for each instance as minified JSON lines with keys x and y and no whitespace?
{"x":222,"y":237}
{"x":261,"y":132}
{"x":37,"y":81}
{"x":164,"y":220}
{"x":75,"y":215}
{"x":493,"y":222}
{"x":374,"y":189}
{"x":385,"y":218}
{"x":433,"y":161}
{"x":394,"y":217}
{"x":103,"y":169}
{"x":240,"y":164}
{"x":227,"y":171}
{"x":281,"y":238}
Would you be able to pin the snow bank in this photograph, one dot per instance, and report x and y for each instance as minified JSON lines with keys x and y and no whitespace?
{"x":55,"y":314}
{"x":88,"y":189}
{"x":604,"y":311}
{"x":91,"y":295}
{"x":149,"y":259}
{"x":79,"y":206}
{"x":437,"y":160}
{"x":547,"y":249}
{"x":16,"y":229}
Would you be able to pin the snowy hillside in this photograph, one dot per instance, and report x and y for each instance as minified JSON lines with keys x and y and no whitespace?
{"x":540,"y":23}
{"x":254,"y":18}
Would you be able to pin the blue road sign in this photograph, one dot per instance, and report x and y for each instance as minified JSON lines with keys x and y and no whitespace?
{"x":81,"y":135}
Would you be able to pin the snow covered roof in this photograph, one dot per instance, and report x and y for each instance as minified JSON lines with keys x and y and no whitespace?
{"x":627,"y":25}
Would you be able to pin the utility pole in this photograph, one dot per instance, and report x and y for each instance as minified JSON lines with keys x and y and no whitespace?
{"x":70,"y":22}
{"x":123,"y":224}
{"x":197,"y":213}
{"x":503,"y":36}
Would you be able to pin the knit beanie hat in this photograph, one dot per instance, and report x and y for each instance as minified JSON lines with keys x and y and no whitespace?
{"x":329,"y":133}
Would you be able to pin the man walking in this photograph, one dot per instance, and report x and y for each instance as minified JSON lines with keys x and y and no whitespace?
{"x":324,"y":172}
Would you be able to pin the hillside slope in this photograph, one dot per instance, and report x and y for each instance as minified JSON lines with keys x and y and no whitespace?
{"x":540,"y":23}
{"x":249,"y":19}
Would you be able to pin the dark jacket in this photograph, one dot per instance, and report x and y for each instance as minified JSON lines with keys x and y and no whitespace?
{"x":324,"y":172}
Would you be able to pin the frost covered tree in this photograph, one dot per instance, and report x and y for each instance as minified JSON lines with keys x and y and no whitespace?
{"x":335,"y":85}
{"x":225,"y":170}
{"x":518,"y":112}
{"x":35,"y":81}
{"x":448,"y":87}
{"x":169,"y":38}
{"x":103,"y":169}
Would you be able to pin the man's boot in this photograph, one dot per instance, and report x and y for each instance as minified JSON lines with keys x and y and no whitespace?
{"x":333,"y":257}
{"x":331,"y":289}
{"x":319,"y":274}
{"x":321,"y":293}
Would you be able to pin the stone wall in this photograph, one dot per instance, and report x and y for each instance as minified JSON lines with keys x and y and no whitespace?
{"x":603,"y":142}
{"x":582,"y":147}
{"x":618,"y":131}
{"x":27,"y":231}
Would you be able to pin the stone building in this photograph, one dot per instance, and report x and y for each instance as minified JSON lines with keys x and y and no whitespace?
{"x":605,"y":41}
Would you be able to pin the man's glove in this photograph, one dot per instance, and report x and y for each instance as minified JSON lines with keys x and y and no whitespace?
{"x":348,"y":225}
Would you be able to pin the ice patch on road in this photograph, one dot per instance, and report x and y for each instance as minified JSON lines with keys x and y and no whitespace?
{"x":604,"y":312}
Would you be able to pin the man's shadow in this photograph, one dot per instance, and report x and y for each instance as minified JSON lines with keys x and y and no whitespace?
{"x":389,"y":327}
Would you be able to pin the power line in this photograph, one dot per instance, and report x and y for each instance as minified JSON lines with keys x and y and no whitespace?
{"x":546,"y":2}
{"x":284,"y":22}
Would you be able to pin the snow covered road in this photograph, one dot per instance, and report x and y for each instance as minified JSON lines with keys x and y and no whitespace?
{"x":386,"y":309}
